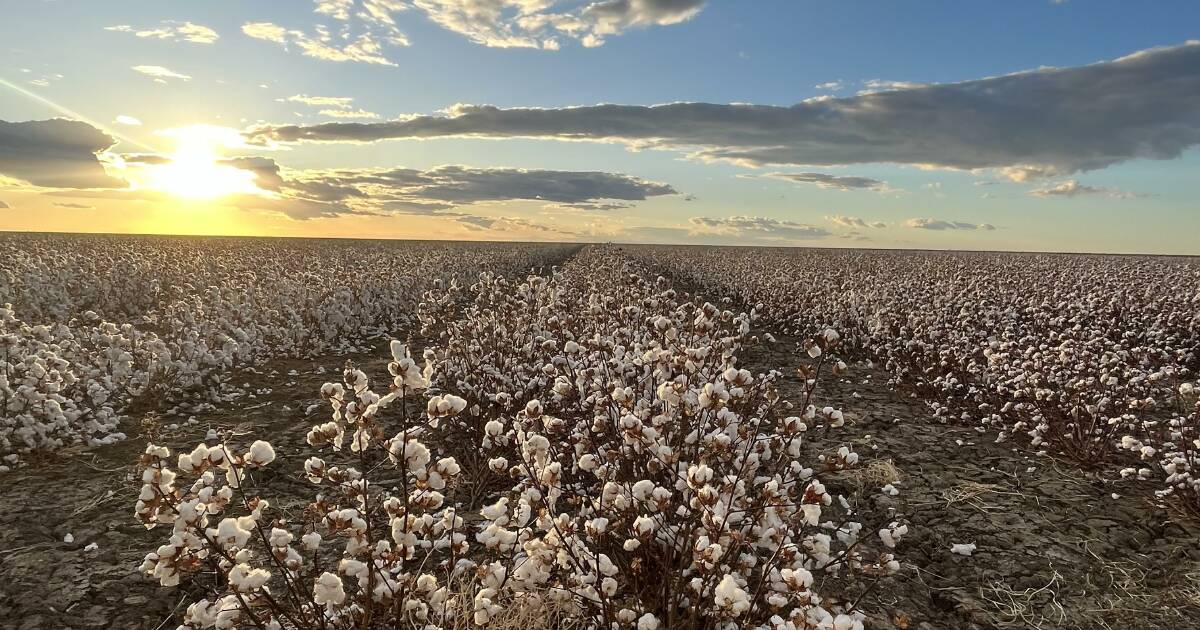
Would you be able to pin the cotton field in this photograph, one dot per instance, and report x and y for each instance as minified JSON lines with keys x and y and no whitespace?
{"x":92,"y":326}
{"x":278,"y":434}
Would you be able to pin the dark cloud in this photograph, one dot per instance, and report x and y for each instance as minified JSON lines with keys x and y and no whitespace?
{"x":56,"y":153}
{"x":266,"y":171}
{"x":443,"y":188}
{"x":74,"y":206}
{"x":1038,"y":123}
{"x":939,"y":225}
{"x":837,"y":182}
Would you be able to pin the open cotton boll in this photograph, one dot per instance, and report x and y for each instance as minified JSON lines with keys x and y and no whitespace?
{"x":328,"y":589}
{"x":729,"y":595}
{"x":962,"y":549}
{"x":261,"y":453}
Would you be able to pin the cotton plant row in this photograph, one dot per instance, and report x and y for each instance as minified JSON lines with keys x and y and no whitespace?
{"x":584,"y":443}
{"x":90,"y":325}
{"x":1077,"y":355}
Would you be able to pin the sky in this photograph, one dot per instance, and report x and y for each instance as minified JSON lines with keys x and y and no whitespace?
{"x":1068,"y":125}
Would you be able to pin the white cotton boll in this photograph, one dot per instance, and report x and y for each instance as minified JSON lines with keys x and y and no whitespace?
{"x":245,"y":579}
{"x":631,"y":544}
{"x":962,"y":549}
{"x":1187,"y":389}
{"x":647,"y":622}
{"x":493,"y":428}
{"x":846,"y":622}
{"x":814,"y":351}
{"x":69,"y":538}
{"x":310,"y":541}
{"x":730,"y":596}
{"x":328,"y":589}
{"x":280,"y":537}
{"x":261,"y":453}
{"x":91,"y":547}
{"x":642,"y":489}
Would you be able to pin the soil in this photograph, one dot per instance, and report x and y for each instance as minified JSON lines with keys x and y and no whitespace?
{"x":1054,"y":548}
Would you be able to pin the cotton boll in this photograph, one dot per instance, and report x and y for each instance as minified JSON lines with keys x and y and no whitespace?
{"x":261,"y":454}
{"x":729,"y":596}
{"x":962,"y":549}
{"x":328,"y":589}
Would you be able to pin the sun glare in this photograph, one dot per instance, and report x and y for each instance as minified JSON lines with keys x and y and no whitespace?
{"x":196,"y":169}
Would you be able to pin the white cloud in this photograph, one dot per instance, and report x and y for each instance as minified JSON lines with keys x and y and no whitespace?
{"x":124,"y":119}
{"x":353,"y":114}
{"x":341,"y":107}
{"x":939,"y":225}
{"x":342,"y":45}
{"x":322,"y":101}
{"x":172,"y":31}
{"x":759,"y":228}
{"x":1072,"y":188}
{"x":541,"y":23}
{"x":161,"y":74}
{"x":854,"y":222}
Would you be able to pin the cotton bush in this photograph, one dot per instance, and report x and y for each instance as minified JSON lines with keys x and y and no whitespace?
{"x":584,"y":443}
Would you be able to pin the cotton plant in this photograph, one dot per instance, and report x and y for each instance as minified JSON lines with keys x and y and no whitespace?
{"x":616,"y":442}
{"x":360,"y":555}
{"x":617,"y":412}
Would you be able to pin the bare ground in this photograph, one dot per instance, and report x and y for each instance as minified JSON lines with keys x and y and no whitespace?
{"x":1054,"y":548}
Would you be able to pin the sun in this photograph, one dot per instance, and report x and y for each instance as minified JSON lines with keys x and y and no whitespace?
{"x":197,"y":170}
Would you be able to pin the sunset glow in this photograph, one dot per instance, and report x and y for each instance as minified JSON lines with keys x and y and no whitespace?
{"x":195,"y":169}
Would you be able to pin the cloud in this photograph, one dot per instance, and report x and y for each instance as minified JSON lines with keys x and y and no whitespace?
{"x":55,"y":153}
{"x":1043,"y":122}
{"x":757,"y":228}
{"x":341,"y":102}
{"x":172,"y":31}
{"x":75,"y":206}
{"x":1072,"y":188}
{"x":160,"y":74}
{"x":835,"y":182}
{"x":360,"y":114}
{"x":364,"y":31}
{"x":130,"y":121}
{"x":939,"y":225}
{"x":540,"y":24}
{"x":877,"y":85}
{"x":505,"y":224}
{"x":334,"y":106}
{"x":444,"y":188}
{"x":854,"y":222}
{"x":831,"y":86}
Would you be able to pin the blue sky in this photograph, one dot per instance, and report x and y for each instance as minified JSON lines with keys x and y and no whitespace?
{"x":70,"y":54}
